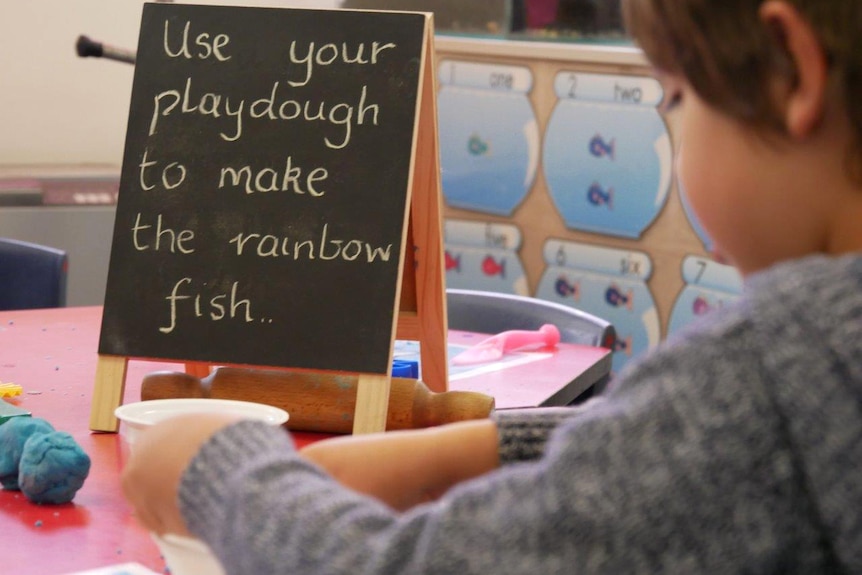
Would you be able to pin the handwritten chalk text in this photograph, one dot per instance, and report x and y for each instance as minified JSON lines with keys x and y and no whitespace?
{"x":177,"y":241}
{"x":205,"y":47}
{"x":342,"y":115}
{"x":329,"y":53}
{"x":173,"y":175}
{"x":269,"y":180}
{"x":217,"y":307}
{"x":326,"y":249}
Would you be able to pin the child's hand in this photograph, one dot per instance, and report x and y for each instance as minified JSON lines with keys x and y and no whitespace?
{"x":151,"y":476}
{"x":406,"y":468}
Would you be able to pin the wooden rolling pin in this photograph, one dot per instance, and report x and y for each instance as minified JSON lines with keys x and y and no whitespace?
{"x":320,"y":402}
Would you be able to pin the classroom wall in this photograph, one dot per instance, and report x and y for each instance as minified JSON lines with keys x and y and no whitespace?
{"x":56,"y":107}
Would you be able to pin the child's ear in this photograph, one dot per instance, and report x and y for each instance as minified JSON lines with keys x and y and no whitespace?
{"x":801,"y":100}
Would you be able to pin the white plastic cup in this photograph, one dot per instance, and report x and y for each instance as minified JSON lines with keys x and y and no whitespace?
{"x":185,"y":555}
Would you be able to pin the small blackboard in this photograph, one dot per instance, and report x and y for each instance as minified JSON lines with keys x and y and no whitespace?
{"x":265,"y":187}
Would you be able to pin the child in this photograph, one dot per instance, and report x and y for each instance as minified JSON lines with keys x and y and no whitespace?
{"x":735,"y":447}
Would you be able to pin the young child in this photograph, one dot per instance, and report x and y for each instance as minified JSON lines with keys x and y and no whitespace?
{"x":735,"y":447}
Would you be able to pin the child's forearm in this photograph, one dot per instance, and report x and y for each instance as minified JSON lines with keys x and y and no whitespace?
{"x":464,"y":450}
{"x":405,"y":468}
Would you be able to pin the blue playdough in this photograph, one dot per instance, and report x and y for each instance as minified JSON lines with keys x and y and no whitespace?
{"x":13,"y":435}
{"x":53,"y":468}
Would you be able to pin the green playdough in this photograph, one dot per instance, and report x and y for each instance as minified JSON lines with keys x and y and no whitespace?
{"x":13,"y":435}
{"x":53,"y":468}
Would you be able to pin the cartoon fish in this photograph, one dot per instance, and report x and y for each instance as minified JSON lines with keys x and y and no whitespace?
{"x":700,"y":305}
{"x":490,"y":266}
{"x":477,"y":146}
{"x":617,"y":298}
{"x":600,"y":148}
{"x":453,"y":262}
{"x":598,"y":196}
{"x":564,"y":288}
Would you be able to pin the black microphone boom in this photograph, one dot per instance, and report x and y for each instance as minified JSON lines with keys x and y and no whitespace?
{"x":87,"y":47}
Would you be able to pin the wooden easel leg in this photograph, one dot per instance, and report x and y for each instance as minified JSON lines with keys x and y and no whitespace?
{"x":372,"y":403}
{"x":427,"y":232}
{"x":108,"y":392}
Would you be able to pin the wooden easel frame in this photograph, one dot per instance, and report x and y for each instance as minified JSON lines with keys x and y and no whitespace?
{"x":420,"y":294}
{"x":424,"y":318}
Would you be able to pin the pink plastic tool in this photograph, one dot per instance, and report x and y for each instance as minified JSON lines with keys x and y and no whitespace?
{"x":496,"y":346}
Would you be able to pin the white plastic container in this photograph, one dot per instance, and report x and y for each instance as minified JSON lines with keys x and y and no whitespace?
{"x":185,"y":555}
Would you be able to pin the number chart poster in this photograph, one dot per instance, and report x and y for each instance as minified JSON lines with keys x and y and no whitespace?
{"x":265,"y":187}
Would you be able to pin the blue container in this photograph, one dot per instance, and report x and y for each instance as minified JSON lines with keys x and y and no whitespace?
{"x":405,"y":368}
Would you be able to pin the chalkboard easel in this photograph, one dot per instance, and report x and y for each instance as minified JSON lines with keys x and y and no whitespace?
{"x":378,"y":179}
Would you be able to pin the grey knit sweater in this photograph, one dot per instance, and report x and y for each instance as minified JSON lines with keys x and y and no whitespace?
{"x":734,"y":448}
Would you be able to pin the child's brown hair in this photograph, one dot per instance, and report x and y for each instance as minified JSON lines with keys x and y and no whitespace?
{"x":729,"y":55}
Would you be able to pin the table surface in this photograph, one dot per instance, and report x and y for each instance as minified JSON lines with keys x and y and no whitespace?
{"x":52,"y":354}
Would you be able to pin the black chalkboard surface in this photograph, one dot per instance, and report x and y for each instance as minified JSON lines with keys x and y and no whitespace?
{"x":265,"y":187}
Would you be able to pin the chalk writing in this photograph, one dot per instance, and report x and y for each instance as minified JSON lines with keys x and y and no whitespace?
{"x":178,"y":241}
{"x":269,"y":179}
{"x":220,"y":306}
{"x":204,"y":46}
{"x":329,"y":53}
{"x":173,"y":174}
{"x":214,"y":105}
{"x":326,"y":248}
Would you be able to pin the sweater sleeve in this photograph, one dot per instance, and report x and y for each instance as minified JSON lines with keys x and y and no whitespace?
{"x":523,"y":433}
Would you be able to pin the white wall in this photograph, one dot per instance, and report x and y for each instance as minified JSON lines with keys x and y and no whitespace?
{"x":56,"y":107}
